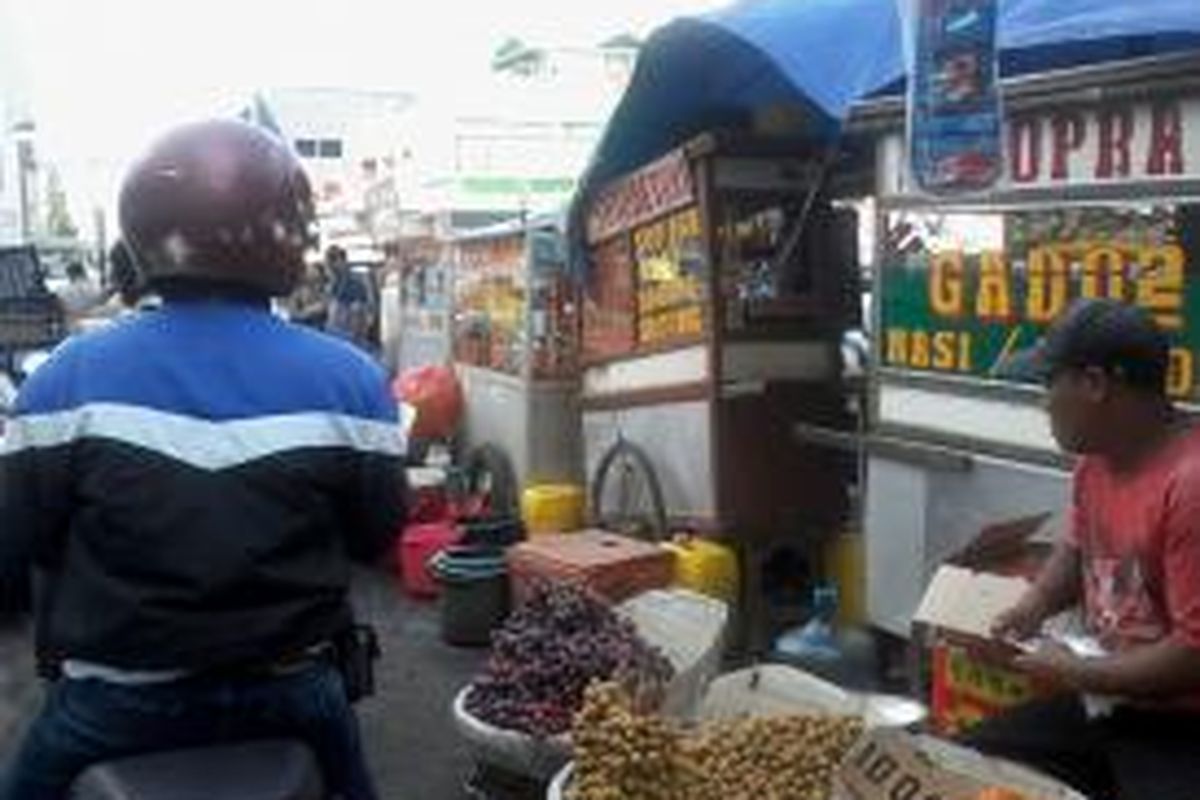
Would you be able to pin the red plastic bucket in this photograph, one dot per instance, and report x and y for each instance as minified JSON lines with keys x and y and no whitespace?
{"x":429,"y":504}
{"x":418,"y":544}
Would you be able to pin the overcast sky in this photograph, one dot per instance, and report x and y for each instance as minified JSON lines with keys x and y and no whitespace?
{"x":105,"y":75}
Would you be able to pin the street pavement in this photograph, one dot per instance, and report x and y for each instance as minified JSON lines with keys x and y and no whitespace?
{"x":413,"y":747}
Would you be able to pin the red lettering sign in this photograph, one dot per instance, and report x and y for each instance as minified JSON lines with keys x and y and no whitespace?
{"x":1166,"y":141}
{"x":1025,"y":149}
{"x":1069,"y":133}
{"x":1116,"y":131}
{"x":1126,"y":142}
{"x":654,"y":190}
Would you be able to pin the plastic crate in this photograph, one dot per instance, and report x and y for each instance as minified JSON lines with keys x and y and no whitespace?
{"x":613,"y":566}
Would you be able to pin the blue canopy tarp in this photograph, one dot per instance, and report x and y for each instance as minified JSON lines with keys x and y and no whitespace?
{"x":701,"y":73}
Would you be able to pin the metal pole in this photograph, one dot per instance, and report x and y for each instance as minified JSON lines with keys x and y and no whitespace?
{"x":530,"y":280}
{"x":101,"y":230}
{"x":25,"y":167}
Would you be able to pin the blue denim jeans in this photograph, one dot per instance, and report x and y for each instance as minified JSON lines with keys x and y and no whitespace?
{"x":87,"y":721}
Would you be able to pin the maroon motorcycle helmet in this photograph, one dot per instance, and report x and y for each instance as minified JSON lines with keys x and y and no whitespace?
{"x":222,"y":202}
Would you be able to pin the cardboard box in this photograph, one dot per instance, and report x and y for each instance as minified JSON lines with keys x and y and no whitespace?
{"x":971,"y":677}
{"x":965,"y":602}
{"x":889,"y":764}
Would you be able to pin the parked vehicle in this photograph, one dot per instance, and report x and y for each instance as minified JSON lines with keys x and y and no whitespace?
{"x":31,"y":318}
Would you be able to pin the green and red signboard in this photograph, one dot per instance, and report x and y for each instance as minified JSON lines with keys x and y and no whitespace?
{"x":963,"y":290}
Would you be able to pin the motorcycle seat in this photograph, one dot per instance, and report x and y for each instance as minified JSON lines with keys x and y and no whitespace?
{"x":262,"y":770}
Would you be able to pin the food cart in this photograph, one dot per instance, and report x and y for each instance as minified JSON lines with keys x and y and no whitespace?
{"x":716,"y":292}
{"x":514,"y":343}
{"x":1100,"y":198}
{"x":951,"y":443}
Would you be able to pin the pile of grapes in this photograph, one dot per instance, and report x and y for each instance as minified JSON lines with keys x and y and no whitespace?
{"x":549,"y":651}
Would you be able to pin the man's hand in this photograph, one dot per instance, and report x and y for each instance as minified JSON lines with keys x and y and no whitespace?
{"x":1022,"y":621}
{"x":1056,"y":589}
{"x":1167,"y":668}
{"x":1055,"y":663}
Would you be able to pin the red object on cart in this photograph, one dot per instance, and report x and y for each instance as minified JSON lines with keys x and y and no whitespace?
{"x":416,"y":546}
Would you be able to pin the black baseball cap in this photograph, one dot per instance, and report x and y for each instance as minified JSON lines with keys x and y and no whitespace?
{"x":1119,"y":338}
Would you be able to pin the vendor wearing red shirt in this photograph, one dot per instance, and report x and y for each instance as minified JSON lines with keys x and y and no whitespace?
{"x":1130,"y":559}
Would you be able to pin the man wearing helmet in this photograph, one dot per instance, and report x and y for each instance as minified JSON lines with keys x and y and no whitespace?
{"x":187,"y":487}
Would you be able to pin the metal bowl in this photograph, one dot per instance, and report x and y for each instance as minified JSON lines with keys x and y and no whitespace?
{"x":892,"y":711}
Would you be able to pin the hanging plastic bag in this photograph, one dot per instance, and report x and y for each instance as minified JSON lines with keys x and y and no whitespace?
{"x":436,"y":395}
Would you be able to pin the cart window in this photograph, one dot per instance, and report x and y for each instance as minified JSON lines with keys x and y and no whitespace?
{"x":671,"y":296}
{"x":609,"y":303}
{"x":967,"y":292}
{"x":554,"y":328}
{"x":490,"y":304}
{"x":553,"y":315}
{"x":781,"y":262}
{"x":752,"y":236}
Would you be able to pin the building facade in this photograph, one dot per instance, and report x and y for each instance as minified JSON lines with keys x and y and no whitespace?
{"x":345,"y":139}
{"x":514,"y":142}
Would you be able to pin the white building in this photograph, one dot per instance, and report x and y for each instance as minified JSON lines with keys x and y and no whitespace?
{"x":516,"y":141}
{"x":344,"y":137}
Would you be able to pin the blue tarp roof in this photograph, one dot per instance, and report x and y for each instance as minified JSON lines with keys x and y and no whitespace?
{"x":700,"y":73}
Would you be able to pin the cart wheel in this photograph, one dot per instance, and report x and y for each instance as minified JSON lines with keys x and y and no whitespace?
{"x":626,"y":495}
{"x":489,"y":473}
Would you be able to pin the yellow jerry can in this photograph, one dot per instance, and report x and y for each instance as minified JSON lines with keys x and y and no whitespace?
{"x":706,"y":566}
{"x":552,"y":508}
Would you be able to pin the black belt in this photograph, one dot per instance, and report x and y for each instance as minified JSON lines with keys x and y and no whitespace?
{"x":50,"y":669}
{"x":282,"y":667}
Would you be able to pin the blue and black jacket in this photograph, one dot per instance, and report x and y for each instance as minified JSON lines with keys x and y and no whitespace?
{"x":190,"y":485}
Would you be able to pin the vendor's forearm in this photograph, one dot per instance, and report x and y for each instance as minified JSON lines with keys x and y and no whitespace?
{"x":1058,"y":586}
{"x":1165,"y":668}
